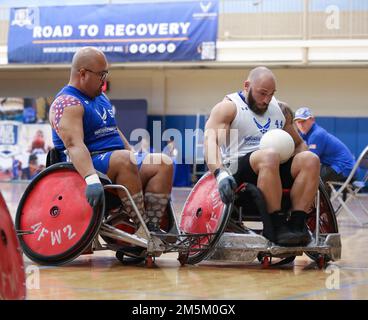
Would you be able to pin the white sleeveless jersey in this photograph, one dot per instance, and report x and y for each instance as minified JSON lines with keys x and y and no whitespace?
{"x":247,"y":128}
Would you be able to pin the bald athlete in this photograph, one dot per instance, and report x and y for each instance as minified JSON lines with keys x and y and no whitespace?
{"x":83,"y":123}
{"x":251,"y":113}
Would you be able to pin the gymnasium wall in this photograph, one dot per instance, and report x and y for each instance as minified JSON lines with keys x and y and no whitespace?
{"x":329,"y":92}
{"x":338,"y":96}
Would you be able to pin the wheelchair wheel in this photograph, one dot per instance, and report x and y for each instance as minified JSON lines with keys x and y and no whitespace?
{"x":55,"y":210}
{"x":203,"y":213}
{"x":12,"y":284}
{"x":327,"y":220}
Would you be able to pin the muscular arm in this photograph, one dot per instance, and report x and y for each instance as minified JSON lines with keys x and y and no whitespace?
{"x":290,"y":128}
{"x":70,"y":129}
{"x":216,"y":130}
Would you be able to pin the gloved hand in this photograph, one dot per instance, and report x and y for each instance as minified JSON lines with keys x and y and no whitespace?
{"x":226,"y":184}
{"x":94,"y":190}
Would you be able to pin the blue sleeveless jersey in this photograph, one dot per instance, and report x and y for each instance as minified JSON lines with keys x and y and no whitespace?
{"x":100,"y":130}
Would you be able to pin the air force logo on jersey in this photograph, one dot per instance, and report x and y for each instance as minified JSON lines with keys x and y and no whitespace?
{"x":111,"y":113}
{"x":263,"y":129}
{"x":103,"y":116}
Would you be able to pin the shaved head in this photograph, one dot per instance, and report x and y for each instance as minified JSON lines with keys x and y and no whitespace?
{"x":261,"y":74}
{"x":259,"y":89}
{"x":87,"y":57}
{"x":89,"y":71}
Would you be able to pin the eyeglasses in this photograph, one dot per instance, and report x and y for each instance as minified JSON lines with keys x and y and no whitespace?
{"x":101,"y":74}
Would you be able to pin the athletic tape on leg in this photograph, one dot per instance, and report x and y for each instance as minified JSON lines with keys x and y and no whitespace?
{"x":156,"y":204}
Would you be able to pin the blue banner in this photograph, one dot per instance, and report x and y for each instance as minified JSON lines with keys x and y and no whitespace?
{"x":183,"y":31}
{"x":9,"y":133}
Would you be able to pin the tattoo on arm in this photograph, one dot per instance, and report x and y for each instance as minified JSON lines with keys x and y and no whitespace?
{"x":58,"y":106}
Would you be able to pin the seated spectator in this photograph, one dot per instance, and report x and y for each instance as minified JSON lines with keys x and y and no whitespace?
{"x":142,"y":148}
{"x":336,"y":159}
{"x":34,"y":167}
{"x":171,"y":149}
{"x":38,"y":143}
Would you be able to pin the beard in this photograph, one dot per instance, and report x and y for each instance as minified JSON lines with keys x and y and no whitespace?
{"x":253,"y":104}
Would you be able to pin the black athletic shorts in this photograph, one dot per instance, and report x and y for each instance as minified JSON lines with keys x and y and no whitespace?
{"x":245,"y":172}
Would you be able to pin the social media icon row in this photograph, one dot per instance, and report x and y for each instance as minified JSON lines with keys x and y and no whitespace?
{"x":152,"y":48}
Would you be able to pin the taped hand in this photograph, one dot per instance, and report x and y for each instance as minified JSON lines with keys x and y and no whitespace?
{"x":226,"y":184}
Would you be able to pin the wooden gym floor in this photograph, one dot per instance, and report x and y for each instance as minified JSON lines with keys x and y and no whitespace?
{"x":102,"y":276}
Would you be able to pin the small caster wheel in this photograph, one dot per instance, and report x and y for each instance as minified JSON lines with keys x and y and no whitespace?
{"x":266,"y":262}
{"x":321,"y":262}
{"x":120,"y":256}
{"x":124,"y":259}
{"x":183,"y":259}
{"x":150,"y":261}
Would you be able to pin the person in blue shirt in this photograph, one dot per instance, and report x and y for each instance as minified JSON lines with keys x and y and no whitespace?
{"x":83,"y":124}
{"x":336,"y":159}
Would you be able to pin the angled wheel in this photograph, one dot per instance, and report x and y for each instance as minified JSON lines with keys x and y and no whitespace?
{"x":54,"y":208}
{"x":204,"y":213}
{"x":12,"y":284}
{"x":327,"y":220}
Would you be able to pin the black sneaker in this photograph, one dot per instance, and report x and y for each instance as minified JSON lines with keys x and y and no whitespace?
{"x":283,"y":235}
{"x":155,"y":230}
{"x":298,"y":225}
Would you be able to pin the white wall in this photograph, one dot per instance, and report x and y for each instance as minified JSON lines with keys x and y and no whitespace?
{"x":328,"y":91}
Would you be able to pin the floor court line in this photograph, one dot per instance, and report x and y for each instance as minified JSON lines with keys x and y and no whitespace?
{"x":324,"y":290}
{"x":139,"y":292}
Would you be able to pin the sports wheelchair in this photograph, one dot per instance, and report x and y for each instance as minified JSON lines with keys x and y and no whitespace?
{"x":56,"y":224}
{"x":230,"y":240}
